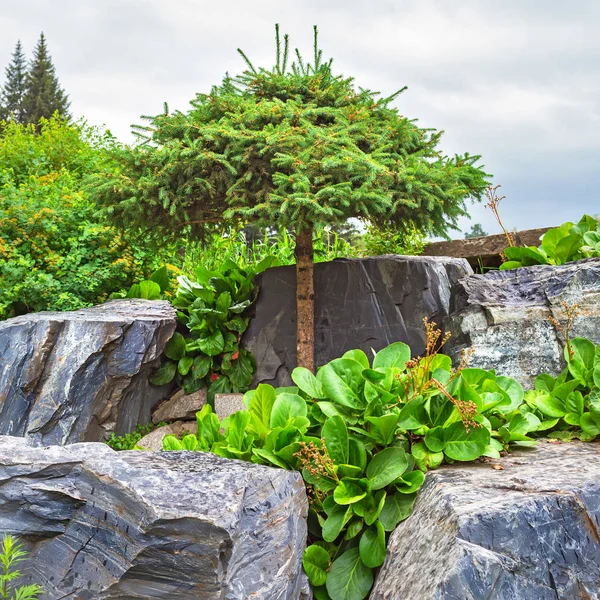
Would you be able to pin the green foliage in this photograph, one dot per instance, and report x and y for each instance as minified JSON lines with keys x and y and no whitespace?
{"x":12,"y":554}
{"x":362,"y":433}
{"x":211,"y":312}
{"x":13,"y":91}
{"x":129,"y":441}
{"x":54,"y":252}
{"x":44,"y":97}
{"x":568,"y":406}
{"x":393,"y":240}
{"x":291,"y":147}
{"x":563,"y":244}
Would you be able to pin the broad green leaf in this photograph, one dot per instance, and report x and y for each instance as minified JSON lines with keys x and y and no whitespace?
{"x":335,"y":434}
{"x":574,"y":403}
{"x":242,"y":369}
{"x":260,"y":408}
{"x":383,"y":428}
{"x":413,"y":415}
{"x":201,"y":366}
{"x":149,"y":290}
{"x":212,"y":344}
{"x":348,"y":491}
{"x":165,"y":374}
{"x":359,"y":356}
{"x":184,"y":365}
{"x":396,"y":508}
{"x":287,"y":406}
{"x":237,"y":323}
{"x":349,"y":578}
{"x":357,"y":455}
{"x":465,"y":445}
{"x":372,"y":506}
{"x":335,"y":522}
{"x":372,"y":546}
{"x":589,"y":424}
{"x":513,"y":389}
{"x":434,"y":439}
{"x":343,"y":383}
{"x":394,"y":355}
{"x":223,"y":303}
{"x":386,"y":466}
{"x":410,"y":482}
{"x":354,"y":528}
{"x":424,"y":458}
{"x":316,"y":564}
{"x":161,"y":277}
{"x":551,"y":406}
{"x":170,"y":442}
{"x":308,"y":383}
{"x":581,"y":364}
{"x":189,"y":442}
{"x":175,"y":348}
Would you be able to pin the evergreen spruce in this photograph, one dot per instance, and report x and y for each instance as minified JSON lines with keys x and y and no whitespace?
{"x":294,"y":146}
{"x":44,"y":95}
{"x":13,"y":92}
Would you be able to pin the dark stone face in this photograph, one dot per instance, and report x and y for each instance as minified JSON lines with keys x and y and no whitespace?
{"x":180,"y":525}
{"x":359,"y":303}
{"x":76,"y":376}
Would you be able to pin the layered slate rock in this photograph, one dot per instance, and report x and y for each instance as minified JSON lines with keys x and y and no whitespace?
{"x":505,"y":316}
{"x":528,"y":532}
{"x":77,"y":376}
{"x":359,"y":303}
{"x":180,"y":525}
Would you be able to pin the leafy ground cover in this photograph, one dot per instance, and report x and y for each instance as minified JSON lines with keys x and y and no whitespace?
{"x":363,"y":432}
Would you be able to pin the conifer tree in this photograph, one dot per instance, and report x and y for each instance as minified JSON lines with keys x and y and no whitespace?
{"x":44,"y":95}
{"x":294,"y":146}
{"x":13,"y":91}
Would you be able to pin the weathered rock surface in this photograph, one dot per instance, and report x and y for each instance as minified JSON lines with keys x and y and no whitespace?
{"x":528,"y":532}
{"x":178,"y":525}
{"x":227,"y":404}
{"x":77,"y":376}
{"x":504,"y":316}
{"x":359,"y":303}
{"x":179,"y":406}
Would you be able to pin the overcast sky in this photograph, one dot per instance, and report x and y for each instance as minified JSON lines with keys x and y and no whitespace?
{"x":517,"y":81}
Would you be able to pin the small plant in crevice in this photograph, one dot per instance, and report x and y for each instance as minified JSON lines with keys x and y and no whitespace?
{"x":129,"y":441}
{"x":206,"y":351}
{"x":493,"y":200}
{"x":11,"y":555}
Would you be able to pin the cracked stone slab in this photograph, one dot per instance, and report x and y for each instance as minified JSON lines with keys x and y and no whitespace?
{"x":78,"y":376}
{"x":106,"y":525}
{"x":530,"y":531}
{"x":504,"y":316}
{"x":359,"y":303}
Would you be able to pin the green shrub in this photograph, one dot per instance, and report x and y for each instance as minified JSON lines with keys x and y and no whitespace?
{"x":11,"y":554}
{"x":54,"y":253}
{"x":393,"y":240}
{"x":563,"y":244}
{"x":211,"y":310}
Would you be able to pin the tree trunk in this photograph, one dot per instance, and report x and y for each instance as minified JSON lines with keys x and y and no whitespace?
{"x":305,"y":299}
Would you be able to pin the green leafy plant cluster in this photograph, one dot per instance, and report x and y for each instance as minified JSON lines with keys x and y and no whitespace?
{"x":129,"y":441}
{"x":566,"y":243}
{"x":363,"y":433}
{"x":55,"y":254}
{"x":211,"y":312}
{"x":393,"y":240}
{"x":570,"y":403}
{"x":11,"y":555}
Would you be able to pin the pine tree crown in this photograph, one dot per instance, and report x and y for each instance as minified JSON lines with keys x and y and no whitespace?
{"x":292,"y":146}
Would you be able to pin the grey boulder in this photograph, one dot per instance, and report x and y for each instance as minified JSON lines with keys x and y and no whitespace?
{"x":77,"y":376}
{"x":359,"y":303}
{"x":529,"y":531}
{"x":505,"y":317}
{"x":180,"y":525}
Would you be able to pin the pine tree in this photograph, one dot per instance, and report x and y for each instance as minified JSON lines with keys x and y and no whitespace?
{"x":295,"y":146}
{"x":44,"y":95}
{"x":13,"y":92}
{"x":476,"y":231}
